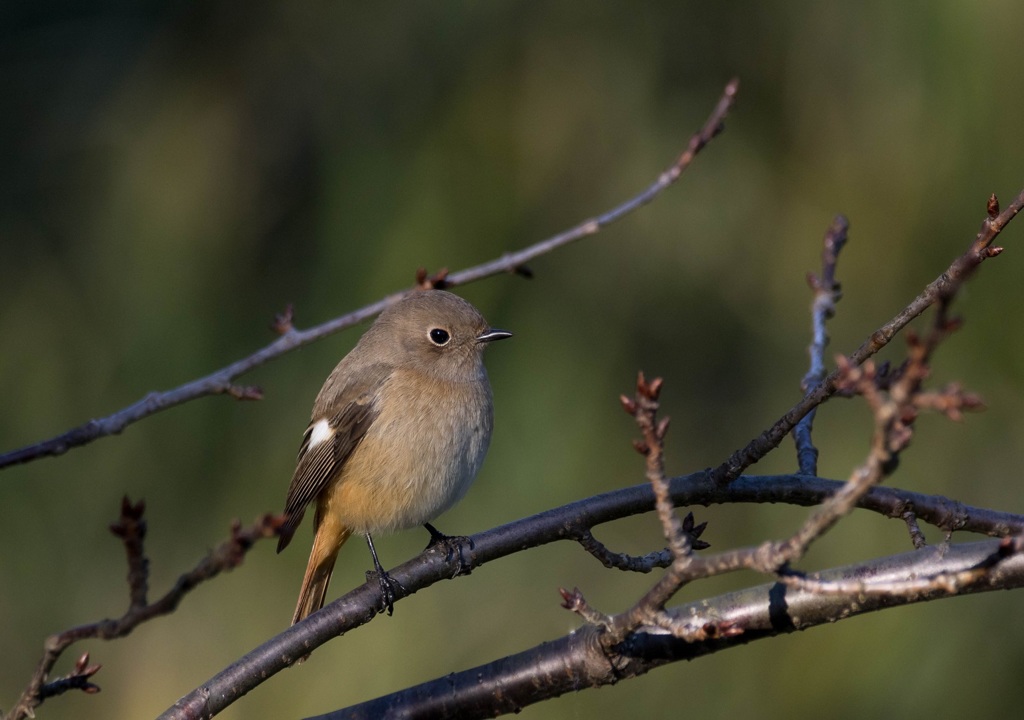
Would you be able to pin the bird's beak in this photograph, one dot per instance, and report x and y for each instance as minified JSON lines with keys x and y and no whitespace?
{"x":491,"y":334}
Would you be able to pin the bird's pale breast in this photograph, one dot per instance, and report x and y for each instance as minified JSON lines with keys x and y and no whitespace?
{"x":416,"y":462}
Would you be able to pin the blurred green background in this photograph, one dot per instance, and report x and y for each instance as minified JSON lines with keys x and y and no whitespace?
{"x":174,"y":173}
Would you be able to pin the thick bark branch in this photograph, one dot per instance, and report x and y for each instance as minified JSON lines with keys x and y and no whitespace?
{"x":580,"y":660}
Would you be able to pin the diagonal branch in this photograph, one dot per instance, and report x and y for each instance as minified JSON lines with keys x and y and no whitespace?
{"x":221,"y":382}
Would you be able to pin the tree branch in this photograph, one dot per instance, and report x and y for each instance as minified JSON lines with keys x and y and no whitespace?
{"x":222,"y":381}
{"x":895,"y":408}
{"x":580,"y":660}
{"x":568,"y":522}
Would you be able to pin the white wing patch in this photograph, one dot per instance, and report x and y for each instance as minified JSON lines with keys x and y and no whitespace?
{"x":321,"y":431}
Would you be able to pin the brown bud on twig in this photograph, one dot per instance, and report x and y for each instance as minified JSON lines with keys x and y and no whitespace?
{"x":437,"y":281}
{"x":952,"y":324}
{"x":723,"y":629}
{"x":1010,"y":545}
{"x":571,"y":600}
{"x":993,"y":206}
{"x":245,"y":392}
{"x":77,"y":679}
{"x":131,"y":519}
{"x":648,"y":389}
{"x":85,"y":671}
{"x":628,"y":404}
{"x":282,"y":322}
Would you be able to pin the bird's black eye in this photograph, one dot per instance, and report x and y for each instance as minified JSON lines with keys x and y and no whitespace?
{"x":439,"y":337}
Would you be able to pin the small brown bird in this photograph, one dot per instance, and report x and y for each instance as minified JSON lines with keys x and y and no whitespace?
{"x":398,"y":432}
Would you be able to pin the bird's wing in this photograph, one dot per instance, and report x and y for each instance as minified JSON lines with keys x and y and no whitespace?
{"x":328,"y":443}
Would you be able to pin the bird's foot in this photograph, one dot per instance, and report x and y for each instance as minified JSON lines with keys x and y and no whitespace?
{"x":390,"y":589}
{"x":453,"y":546}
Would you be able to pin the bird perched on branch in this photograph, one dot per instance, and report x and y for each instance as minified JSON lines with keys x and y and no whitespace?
{"x":397,"y":434}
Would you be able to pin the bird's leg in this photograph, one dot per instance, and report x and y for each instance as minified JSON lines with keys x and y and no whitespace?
{"x":389,"y":587}
{"x":452,"y":545}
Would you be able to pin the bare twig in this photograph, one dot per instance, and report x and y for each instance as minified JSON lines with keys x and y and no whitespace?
{"x":575,"y":602}
{"x":131,"y":529}
{"x":643,"y":407}
{"x":643,"y":564}
{"x":621,"y":561}
{"x":916,"y":536}
{"x":826,"y":295}
{"x":943,"y":286}
{"x":221,"y":381}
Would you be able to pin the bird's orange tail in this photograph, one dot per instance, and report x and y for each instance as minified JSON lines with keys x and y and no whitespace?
{"x":327,"y":541}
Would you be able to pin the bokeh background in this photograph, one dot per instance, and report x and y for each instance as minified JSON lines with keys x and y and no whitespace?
{"x":174,"y":173}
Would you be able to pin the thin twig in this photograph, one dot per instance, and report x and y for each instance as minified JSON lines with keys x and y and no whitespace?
{"x":645,"y":563}
{"x":916,"y":536}
{"x":131,"y":529}
{"x":643,"y":407}
{"x":826,"y":295}
{"x":221,"y":381}
{"x":621,"y":561}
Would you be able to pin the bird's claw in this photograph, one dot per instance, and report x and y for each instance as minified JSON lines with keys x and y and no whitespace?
{"x":390,"y":590}
{"x":452,"y":545}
